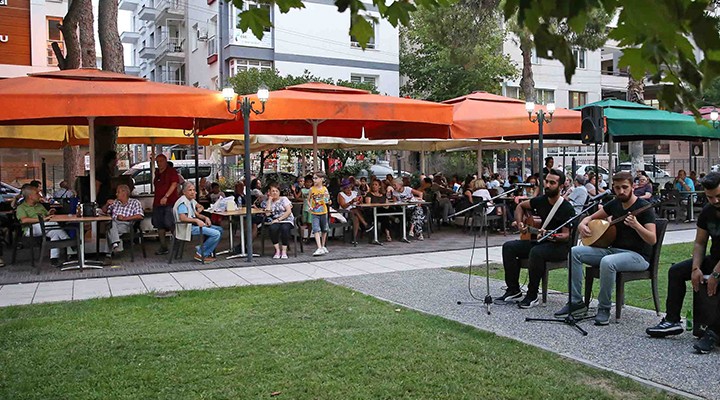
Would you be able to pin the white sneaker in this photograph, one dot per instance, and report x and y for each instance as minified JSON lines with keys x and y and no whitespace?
{"x":319,"y":252}
{"x":325,"y":250}
{"x":284,"y":256}
{"x":276,"y":256}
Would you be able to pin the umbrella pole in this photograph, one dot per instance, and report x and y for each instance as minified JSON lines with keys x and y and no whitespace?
{"x":610,"y":155}
{"x":43,"y":174}
{"x":91,"y":135}
{"x":522,"y":162}
{"x":707,"y":157}
{"x":479,"y":159}
{"x":197,"y":156}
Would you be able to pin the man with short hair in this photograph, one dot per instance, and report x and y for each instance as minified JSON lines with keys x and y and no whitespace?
{"x":124,"y":212}
{"x":578,"y":196}
{"x":685,"y":184}
{"x":166,"y":194}
{"x":630,"y":251}
{"x":188,"y":212}
{"x":694,"y":269}
{"x":28,"y":212}
{"x":64,"y":192}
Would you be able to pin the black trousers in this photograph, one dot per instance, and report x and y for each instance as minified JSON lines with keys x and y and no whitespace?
{"x":280,"y":232}
{"x":678,"y":275}
{"x":537,"y":254}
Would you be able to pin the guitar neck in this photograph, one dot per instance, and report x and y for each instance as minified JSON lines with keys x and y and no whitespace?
{"x":634,"y":213}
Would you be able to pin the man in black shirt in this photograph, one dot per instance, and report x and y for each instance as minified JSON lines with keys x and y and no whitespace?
{"x":630,"y":251}
{"x":554,"y":249}
{"x":708,"y":226}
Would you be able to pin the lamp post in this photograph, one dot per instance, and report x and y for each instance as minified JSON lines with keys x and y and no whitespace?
{"x":246,"y":107}
{"x":540,"y":117}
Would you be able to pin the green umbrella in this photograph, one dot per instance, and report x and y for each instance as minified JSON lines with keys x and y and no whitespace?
{"x":627,"y":121}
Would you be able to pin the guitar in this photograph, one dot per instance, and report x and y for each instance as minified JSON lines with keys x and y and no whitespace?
{"x":532,"y":227}
{"x":603,"y":232}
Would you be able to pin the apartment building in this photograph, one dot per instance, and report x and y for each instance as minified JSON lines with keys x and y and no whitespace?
{"x":197,"y":42}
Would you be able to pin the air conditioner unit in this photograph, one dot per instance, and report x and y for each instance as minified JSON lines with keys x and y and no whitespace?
{"x":202,"y":34}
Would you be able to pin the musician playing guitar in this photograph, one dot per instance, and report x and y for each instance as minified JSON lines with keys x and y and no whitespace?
{"x":629,"y":251}
{"x":701,"y":264}
{"x":553,"y":249}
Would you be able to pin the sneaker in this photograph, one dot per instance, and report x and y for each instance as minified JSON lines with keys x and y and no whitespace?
{"x":665,"y":328}
{"x":420,"y":237}
{"x":706,"y":343}
{"x":509,"y":297}
{"x":276,"y":256}
{"x":319,"y":252}
{"x":198,"y":257}
{"x":161,"y":251}
{"x":284,"y":256}
{"x":325,"y":250}
{"x":411,"y":234}
{"x":529,"y":301}
{"x":369,"y":228}
{"x":602,"y":317}
{"x":577,"y":310}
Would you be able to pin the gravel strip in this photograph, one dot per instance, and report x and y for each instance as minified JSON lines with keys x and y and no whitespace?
{"x":621,"y":346}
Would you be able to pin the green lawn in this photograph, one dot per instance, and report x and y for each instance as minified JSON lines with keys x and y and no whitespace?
{"x":637,"y":293}
{"x":309,"y":340}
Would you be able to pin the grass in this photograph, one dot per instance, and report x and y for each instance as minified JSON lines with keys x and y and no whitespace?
{"x":308,"y":340}
{"x":637,"y":293}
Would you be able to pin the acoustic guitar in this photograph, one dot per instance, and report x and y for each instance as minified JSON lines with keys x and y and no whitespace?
{"x":603,"y":232}
{"x":532,"y":227}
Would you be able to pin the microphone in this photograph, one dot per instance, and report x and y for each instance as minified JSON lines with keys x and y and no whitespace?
{"x":524,"y":184}
{"x":599,"y":196}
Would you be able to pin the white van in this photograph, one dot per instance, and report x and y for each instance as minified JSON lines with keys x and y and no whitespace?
{"x":141,"y":172}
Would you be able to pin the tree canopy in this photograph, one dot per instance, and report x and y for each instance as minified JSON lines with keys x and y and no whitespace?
{"x":452,"y":51}
{"x":247,"y":82}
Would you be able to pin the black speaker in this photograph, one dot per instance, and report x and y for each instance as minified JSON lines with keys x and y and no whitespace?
{"x":593,"y":125}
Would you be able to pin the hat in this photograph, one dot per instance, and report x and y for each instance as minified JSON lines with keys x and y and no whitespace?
{"x":345,"y":183}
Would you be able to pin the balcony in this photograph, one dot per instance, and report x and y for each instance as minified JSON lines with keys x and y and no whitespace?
{"x":130,"y":37}
{"x":148,"y":52}
{"x":170,"y":49}
{"x":132,"y":70}
{"x":148,"y":13}
{"x":212,"y":50}
{"x":173,"y":78}
{"x":128,"y":5}
{"x":170,"y":11}
{"x":614,"y":81}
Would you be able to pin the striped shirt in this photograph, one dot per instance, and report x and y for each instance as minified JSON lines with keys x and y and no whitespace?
{"x":132,"y":207}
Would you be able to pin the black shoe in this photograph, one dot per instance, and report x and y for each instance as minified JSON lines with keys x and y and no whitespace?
{"x":665,"y":328}
{"x":577,"y":310}
{"x":55,"y":262}
{"x":706,"y":343}
{"x":508,"y":297}
{"x":161,"y":251}
{"x":529,"y":301}
{"x":602,"y":317}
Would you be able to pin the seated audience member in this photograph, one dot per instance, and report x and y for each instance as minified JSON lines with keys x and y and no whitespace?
{"x":239,"y":193}
{"x":684,"y":184}
{"x":375,"y":196}
{"x":281,"y":220}
{"x":296,"y":188}
{"x":444,"y":206}
{"x":404,"y":193}
{"x":643,"y":189}
{"x":348,"y":200}
{"x":579,"y":194}
{"x":27,"y":213}
{"x":124,"y":212}
{"x":64,"y":192}
{"x":215,"y":193}
{"x":203,"y":190}
{"x":187,"y":213}
{"x":481,"y":192}
{"x":363,"y":188}
{"x":257,"y":195}
{"x":590,"y":184}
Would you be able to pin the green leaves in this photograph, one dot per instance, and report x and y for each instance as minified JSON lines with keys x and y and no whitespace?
{"x":255,"y":19}
{"x":361,"y":30}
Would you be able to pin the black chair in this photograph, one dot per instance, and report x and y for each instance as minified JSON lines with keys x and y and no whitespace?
{"x":135,"y":232}
{"x":670,"y":203}
{"x":623,"y":277}
{"x":21,"y":241}
{"x":177,"y":247}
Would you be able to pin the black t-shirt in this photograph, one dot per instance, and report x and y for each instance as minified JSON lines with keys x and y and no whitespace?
{"x":104,"y":176}
{"x":627,"y":238}
{"x":541,"y":207}
{"x":709,"y":220}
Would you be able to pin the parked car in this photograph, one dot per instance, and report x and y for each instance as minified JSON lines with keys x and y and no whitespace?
{"x":8,"y":192}
{"x":141,"y":173}
{"x":585,"y":168}
{"x":650,"y":169}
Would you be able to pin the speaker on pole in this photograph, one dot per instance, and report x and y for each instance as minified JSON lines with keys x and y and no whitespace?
{"x":593,"y":125}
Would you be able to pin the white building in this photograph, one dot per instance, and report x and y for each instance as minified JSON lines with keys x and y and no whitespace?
{"x":197,"y":42}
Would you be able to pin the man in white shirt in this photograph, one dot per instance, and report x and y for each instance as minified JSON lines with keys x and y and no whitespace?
{"x":578,"y":196}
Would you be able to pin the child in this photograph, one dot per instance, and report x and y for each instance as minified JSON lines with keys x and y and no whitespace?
{"x":318,"y":201}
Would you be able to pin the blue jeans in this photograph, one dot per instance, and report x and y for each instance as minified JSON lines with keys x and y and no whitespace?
{"x":212,"y":237}
{"x":319,"y":223}
{"x":610,"y":261}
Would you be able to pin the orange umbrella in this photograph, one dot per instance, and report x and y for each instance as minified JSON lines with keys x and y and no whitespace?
{"x":318,"y":109}
{"x":482,"y":115}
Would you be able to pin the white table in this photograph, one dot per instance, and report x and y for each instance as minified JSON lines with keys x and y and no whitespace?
{"x":240,"y":212}
{"x":72,"y":219}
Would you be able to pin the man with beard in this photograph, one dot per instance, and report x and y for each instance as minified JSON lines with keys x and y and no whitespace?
{"x":630,"y":251}
{"x":554,"y":249}
{"x":693,"y":269}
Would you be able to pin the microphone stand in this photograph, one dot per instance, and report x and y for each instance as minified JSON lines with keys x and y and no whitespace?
{"x":487,"y":301}
{"x":569,"y":320}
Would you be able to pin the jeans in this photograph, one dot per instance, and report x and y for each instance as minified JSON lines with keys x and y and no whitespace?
{"x":537,"y":254}
{"x":678,"y":275}
{"x":610,"y":261}
{"x":319,"y":223}
{"x":280,"y":232}
{"x":212,"y":237}
{"x":118,"y":228}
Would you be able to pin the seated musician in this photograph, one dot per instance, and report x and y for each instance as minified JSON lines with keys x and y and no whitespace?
{"x":629,"y":251}
{"x":553,"y":249}
{"x":693,"y":269}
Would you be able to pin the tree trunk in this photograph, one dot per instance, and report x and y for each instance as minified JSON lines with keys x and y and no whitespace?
{"x":636,"y":94}
{"x":88,"y":58}
{"x":527,"y":84}
{"x":112,"y":60}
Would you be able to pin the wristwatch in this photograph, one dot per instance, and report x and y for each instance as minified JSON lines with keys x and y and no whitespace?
{"x":715,"y":275}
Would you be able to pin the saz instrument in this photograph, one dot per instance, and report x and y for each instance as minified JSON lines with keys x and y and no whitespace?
{"x":603,"y":232}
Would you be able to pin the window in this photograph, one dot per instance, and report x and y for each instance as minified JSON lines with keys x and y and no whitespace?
{"x":542,"y":96}
{"x":534,"y":58}
{"x":371,"y":43}
{"x":241,"y":64}
{"x":54,"y":35}
{"x":580,"y":55}
{"x":194,"y":38}
{"x":369,"y":79}
{"x":577,"y":99}
{"x":512,"y":91}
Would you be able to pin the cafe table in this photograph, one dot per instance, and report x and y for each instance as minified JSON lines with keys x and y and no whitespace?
{"x":239,"y":212}
{"x":73,"y":219}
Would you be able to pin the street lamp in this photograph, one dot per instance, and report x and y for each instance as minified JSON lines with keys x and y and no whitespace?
{"x":246,"y":107}
{"x":714,"y":117}
{"x":540,"y":117}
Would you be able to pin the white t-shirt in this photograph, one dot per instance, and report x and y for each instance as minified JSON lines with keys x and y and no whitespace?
{"x":349,"y":199}
{"x":405,"y":195}
{"x":485,"y":194}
